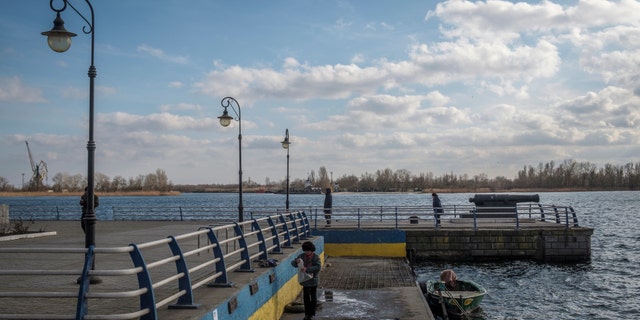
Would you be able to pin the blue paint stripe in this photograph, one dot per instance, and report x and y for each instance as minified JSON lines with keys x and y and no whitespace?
{"x":362,"y":236}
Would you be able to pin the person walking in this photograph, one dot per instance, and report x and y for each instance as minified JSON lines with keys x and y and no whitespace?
{"x":85,"y":206}
{"x":308,"y":262}
{"x":437,"y":207}
{"x":328,"y":203}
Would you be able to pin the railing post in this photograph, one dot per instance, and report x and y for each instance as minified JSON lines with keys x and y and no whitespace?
{"x":358,"y":218}
{"x":147,"y":299}
{"x":396,"y":217}
{"x":304,"y":225}
{"x":83,"y":304}
{"x":274,"y":235}
{"x":246,"y":266}
{"x":181,"y":215}
{"x":223,"y":280}
{"x":575,"y":217}
{"x":295,"y":228}
{"x":287,"y":234}
{"x":541,"y":213}
{"x":555,"y":209}
{"x":184,"y":283}
{"x":475,"y":221}
{"x":517,"y":217}
{"x":566,"y":217}
{"x":262,"y":245}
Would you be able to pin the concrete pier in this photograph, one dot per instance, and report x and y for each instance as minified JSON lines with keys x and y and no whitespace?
{"x":362,"y":288}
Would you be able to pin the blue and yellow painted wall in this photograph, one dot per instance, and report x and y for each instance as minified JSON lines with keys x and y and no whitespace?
{"x":363,"y":243}
{"x":268,"y":294}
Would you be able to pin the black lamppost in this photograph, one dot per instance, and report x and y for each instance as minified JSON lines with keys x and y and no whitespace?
{"x":225,"y":121}
{"x":59,"y":40}
{"x":285,"y":144}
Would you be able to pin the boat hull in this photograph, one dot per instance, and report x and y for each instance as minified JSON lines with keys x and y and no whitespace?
{"x":465,"y":300}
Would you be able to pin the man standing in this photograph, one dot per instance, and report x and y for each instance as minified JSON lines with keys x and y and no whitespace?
{"x":437,"y":207}
{"x":84,"y":203}
{"x":328,"y":202}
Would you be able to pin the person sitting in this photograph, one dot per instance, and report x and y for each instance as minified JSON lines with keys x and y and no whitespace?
{"x":449,"y":278}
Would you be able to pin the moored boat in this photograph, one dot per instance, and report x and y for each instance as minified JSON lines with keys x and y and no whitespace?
{"x":458,"y":298}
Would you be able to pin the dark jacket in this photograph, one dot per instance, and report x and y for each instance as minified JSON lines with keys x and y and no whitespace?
{"x":328,"y":201}
{"x":437,"y":206}
{"x":85,"y":204}
{"x":313,"y":266}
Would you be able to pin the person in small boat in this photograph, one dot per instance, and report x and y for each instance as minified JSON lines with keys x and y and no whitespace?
{"x":449,"y":278}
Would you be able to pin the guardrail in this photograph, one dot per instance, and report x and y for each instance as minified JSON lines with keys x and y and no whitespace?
{"x":398,"y":217}
{"x":158,"y":277}
{"x":358,"y":216}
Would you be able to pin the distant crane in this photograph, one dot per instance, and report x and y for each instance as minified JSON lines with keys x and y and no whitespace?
{"x":39,"y":172}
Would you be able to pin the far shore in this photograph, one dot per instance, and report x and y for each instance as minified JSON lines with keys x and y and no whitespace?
{"x":261,"y":190}
{"x":106,"y":194}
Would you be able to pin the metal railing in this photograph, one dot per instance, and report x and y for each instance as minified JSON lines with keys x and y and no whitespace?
{"x":139,"y":279}
{"x":401,"y":217}
{"x":356,"y":216}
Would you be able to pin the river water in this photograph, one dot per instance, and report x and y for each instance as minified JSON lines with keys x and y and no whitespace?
{"x":608,"y":287}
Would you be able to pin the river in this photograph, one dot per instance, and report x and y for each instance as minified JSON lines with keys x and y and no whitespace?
{"x":608,"y":287}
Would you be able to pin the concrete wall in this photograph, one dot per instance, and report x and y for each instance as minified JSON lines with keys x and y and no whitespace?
{"x":364,"y":243}
{"x":557,"y":245}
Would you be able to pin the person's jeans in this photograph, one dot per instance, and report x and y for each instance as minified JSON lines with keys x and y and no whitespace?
{"x":310,"y":297}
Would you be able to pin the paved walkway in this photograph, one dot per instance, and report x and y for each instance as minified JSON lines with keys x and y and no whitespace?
{"x":367,"y":288}
{"x":362,"y":288}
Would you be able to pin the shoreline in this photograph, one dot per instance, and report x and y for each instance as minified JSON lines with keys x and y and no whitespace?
{"x":78,"y":194}
{"x":177,"y":193}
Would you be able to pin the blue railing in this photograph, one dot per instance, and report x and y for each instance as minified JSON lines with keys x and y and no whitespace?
{"x":160,"y":279}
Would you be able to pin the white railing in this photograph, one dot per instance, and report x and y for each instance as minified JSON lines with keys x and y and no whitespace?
{"x":139,"y":279}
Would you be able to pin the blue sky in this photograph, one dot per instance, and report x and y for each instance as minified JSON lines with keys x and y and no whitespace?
{"x":451,"y":86}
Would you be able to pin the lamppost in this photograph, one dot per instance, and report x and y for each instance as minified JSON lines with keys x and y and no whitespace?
{"x":59,"y":40}
{"x":225,"y":121}
{"x":285,"y":144}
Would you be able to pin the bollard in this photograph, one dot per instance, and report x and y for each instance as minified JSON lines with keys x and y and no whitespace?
{"x":4,"y":217}
{"x":328,"y":295}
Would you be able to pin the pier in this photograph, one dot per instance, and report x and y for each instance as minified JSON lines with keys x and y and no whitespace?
{"x":364,"y":256}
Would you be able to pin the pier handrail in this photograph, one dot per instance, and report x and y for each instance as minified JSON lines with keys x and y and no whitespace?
{"x":359,"y":216}
{"x":160,"y":278}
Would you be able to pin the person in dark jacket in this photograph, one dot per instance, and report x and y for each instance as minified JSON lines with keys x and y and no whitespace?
{"x":328,"y":203}
{"x":309,"y":262}
{"x":85,"y":206}
{"x":437,"y":207}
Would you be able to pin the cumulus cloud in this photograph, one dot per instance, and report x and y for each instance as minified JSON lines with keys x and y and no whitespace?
{"x":13,"y":90}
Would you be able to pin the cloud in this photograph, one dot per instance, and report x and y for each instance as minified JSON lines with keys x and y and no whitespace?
{"x":13,"y":90}
{"x":160,"y":54}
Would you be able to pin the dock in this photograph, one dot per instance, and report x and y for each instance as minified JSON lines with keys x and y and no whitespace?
{"x":357,"y":287}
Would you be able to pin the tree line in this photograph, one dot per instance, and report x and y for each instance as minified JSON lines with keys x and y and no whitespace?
{"x":569,"y":174}
{"x":65,"y":182}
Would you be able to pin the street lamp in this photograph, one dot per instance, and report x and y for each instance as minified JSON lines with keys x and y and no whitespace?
{"x":225,"y":121}
{"x":285,"y":144}
{"x":59,"y":40}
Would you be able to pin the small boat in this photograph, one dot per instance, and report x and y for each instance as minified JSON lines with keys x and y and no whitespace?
{"x":458,"y":299}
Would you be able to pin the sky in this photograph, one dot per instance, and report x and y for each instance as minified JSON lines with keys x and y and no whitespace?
{"x":463,"y":87}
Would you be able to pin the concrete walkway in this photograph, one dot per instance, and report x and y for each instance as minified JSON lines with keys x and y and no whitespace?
{"x":367,"y":288}
{"x":362,"y":288}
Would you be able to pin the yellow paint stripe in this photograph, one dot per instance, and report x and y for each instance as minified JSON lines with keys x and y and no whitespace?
{"x":366,"y":249}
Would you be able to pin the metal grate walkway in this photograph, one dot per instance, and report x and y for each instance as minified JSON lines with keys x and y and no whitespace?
{"x":352,"y":273}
